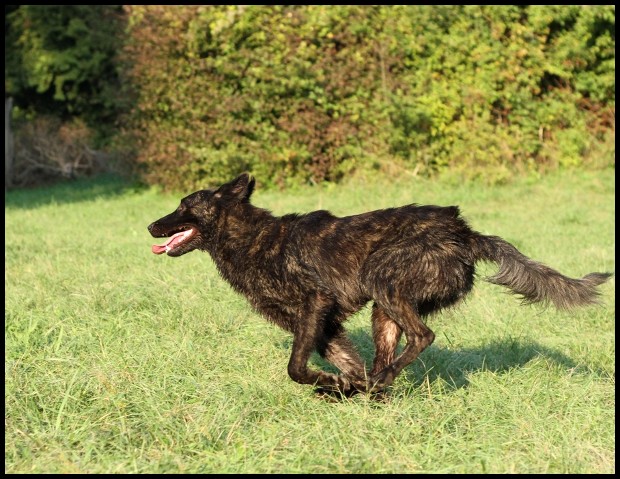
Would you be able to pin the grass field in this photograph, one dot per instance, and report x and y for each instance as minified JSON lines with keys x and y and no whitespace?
{"x":120,"y":361}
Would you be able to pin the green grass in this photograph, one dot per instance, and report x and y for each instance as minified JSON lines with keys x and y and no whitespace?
{"x":120,"y":361}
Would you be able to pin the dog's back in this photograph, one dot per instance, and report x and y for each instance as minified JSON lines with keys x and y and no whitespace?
{"x":423,"y":252}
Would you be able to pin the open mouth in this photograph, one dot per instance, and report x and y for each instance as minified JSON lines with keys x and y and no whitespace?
{"x":174,"y":241}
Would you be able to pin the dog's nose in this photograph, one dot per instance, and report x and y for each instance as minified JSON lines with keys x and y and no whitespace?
{"x":150,"y":228}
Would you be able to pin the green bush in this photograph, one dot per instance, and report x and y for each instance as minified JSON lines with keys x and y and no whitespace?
{"x":314,"y":93}
{"x":60,"y":60}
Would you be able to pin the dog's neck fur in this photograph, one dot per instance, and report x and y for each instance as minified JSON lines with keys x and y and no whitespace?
{"x":248,"y":238}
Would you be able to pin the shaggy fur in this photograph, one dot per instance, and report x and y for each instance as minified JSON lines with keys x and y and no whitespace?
{"x":308,"y":273}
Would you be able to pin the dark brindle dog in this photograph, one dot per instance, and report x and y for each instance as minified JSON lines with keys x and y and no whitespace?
{"x":307,"y":273}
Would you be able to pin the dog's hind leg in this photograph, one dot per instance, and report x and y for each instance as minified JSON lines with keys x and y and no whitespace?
{"x":418,"y":336}
{"x":386,"y":336}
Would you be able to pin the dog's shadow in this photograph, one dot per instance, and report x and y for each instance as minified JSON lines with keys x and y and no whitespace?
{"x":454,"y":366}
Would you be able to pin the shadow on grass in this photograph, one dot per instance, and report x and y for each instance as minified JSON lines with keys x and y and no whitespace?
{"x":454,"y":366}
{"x":69,"y":191}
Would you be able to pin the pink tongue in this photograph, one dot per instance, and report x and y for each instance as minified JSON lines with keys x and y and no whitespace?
{"x":158,"y":249}
{"x":172,"y":241}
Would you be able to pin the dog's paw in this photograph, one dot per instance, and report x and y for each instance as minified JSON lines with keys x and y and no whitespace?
{"x":344,"y":388}
{"x":378,"y":382}
{"x":334,"y":394}
{"x":359,"y":385}
{"x":379,"y":396}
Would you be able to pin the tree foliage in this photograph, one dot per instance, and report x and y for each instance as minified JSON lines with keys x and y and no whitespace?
{"x":311,"y":93}
{"x":60,"y":60}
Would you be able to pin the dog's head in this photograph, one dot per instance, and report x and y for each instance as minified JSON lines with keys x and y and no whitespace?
{"x":193,"y":224}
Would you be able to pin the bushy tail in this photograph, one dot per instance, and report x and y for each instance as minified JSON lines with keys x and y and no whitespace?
{"x":534,"y":281}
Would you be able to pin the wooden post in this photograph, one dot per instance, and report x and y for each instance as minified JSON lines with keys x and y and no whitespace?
{"x":8,"y":143}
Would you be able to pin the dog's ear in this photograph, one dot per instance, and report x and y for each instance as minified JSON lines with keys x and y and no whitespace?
{"x":239,"y":189}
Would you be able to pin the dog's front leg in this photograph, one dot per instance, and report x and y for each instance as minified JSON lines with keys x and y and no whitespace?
{"x":308,"y":334}
{"x":336,"y":348}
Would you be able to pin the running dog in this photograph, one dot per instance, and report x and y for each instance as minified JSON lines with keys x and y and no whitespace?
{"x":308,"y":272}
